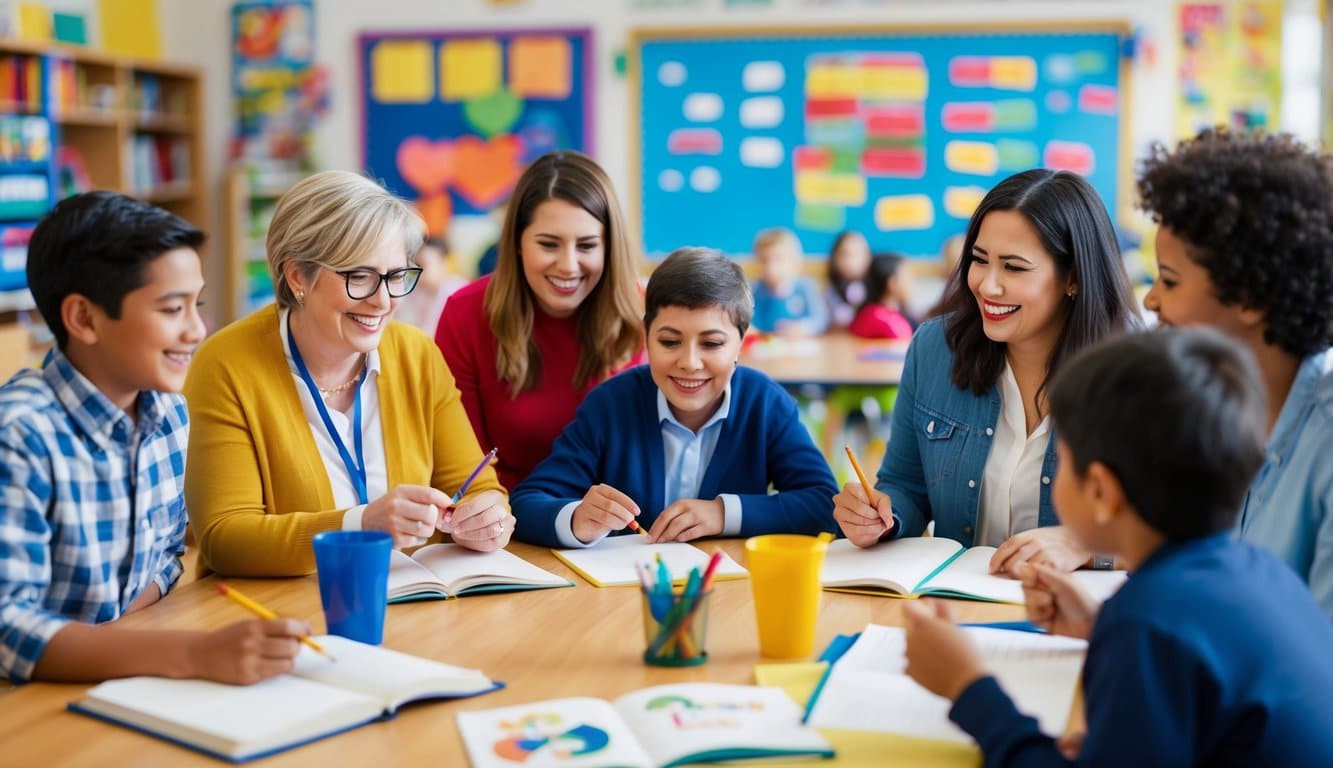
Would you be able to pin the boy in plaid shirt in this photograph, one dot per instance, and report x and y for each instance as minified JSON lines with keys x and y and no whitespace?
{"x":92,"y":456}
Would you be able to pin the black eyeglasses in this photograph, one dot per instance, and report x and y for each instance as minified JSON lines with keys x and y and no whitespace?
{"x":364,"y":282}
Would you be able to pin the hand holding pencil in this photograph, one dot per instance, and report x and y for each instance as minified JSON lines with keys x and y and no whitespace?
{"x":603,"y":509}
{"x":864,"y":514}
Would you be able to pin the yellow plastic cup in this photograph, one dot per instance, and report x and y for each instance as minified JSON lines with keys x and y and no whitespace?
{"x":784,"y":577}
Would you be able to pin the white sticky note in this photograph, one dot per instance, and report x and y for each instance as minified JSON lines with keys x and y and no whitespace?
{"x":762,"y":76}
{"x":761,"y":112}
{"x":670,"y":180}
{"x":705,"y":178}
{"x":671,"y":74}
{"x":702,"y":107}
{"x":761,"y":152}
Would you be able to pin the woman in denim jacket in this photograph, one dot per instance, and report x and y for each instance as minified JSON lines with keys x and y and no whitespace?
{"x":971,"y":447}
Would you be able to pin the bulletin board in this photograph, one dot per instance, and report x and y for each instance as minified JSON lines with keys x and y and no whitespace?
{"x":897,"y":133}
{"x":452,"y":118}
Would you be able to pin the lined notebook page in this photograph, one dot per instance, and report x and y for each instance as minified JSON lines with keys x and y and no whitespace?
{"x":869,"y":691}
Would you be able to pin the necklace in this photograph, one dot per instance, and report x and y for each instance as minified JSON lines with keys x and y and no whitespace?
{"x":345,"y":385}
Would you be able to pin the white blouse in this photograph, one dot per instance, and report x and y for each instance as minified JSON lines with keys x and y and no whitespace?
{"x":1011,"y":483}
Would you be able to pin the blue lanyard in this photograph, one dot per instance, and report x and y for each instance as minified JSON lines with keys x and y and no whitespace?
{"x":356,"y":470}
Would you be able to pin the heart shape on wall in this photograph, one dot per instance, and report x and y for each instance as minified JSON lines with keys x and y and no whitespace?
{"x":427,"y":165}
{"x":485,"y":171}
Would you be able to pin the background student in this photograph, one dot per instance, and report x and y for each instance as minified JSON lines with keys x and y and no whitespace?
{"x":1245,"y":244}
{"x":970,"y":447}
{"x":882,"y":315}
{"x":688,"y":444}
{"x":560,"y":314}
{"x":318,"y":413}
{"x":439,"y":280}
{"x":848,"y":262}
{"x":92,"y":447}
{"x":785,"y":303}
{"x":1212,"y":653}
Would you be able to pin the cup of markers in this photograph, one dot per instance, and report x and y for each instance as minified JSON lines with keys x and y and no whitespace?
{"x":675,"y":620}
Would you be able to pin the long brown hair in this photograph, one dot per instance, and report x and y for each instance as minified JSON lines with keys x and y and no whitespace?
{"x":608,"y":319}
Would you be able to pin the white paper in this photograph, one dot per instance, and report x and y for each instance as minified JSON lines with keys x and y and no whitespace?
{"x":611,"y":561}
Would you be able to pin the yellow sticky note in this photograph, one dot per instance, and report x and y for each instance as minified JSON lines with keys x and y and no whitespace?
{"x":904,"y":212}
{"x":1018,"y":73}
{"x":469,"y":68}
{"x":401,"y":72}
{"x":976,"y":157}
{"x":814,"y":188}
{"x":832,"y":81}
{"x":893,"y":83}
{"x":34,"y":22}
{"x":130,"y":27}
{"x":540,"y":67}
{"x":960,"y":202}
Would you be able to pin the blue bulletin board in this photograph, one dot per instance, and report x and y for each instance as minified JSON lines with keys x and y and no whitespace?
{"x":452,"y":118}
{"x":897,"y":134}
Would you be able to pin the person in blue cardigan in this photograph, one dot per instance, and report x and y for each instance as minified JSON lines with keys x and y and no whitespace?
{"x":1213,"y":652}
{"x":688,"y":445}
{"x":971,"y":447}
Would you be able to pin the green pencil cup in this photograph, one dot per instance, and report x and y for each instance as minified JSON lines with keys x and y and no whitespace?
{"x":674,"y":628}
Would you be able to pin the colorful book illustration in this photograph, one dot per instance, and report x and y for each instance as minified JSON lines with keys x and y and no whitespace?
{"x":920,"y":566}
{"x":610,"y":562}
{"x":664,"y":726}
{"x":318,"y":698}
{"x":867,"y":689}
{"x":448,"y":570}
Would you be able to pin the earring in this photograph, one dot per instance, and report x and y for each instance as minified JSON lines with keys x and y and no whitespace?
{"x":300,"y":298}
{"x":1071,"y":293}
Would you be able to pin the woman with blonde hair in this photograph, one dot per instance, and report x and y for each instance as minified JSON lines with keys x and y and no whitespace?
{"x":318,"y":413}
{"x":561,"y":313}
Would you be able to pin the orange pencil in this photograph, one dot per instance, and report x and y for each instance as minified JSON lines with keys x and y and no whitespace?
{"x":861,"y":475}
{"x":634,"y":526}
{"x":265,"y":613}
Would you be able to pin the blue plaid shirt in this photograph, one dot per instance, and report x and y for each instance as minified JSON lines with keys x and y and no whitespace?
{"x":92,"y":510}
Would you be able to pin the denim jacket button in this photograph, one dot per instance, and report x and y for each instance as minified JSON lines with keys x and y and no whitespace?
{"x":1045,"y":480}
{"x":930,"y":428}
{"x":971,"y":483}
{"x":989,"y":431}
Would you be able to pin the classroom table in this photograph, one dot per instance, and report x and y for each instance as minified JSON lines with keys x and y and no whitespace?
{"x":834,"y":359}
{"x":544,"y":644}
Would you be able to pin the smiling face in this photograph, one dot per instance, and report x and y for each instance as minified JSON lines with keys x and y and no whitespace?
{"x":1183,"y":293}
{"x":563,"y":251}
{"x":331,"y":326}
{"x":1018,"y":290}
{"x":692,"y":354}
{"x":150,"y":345}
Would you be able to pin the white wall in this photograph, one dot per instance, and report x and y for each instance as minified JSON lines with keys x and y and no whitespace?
{"x":197,"y":31}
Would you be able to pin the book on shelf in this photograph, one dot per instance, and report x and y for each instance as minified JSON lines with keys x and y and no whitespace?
{"x":448,"y":570}
{"x":318,"y":698}
{"x":930,"y":566}
{"x":667,"y":725}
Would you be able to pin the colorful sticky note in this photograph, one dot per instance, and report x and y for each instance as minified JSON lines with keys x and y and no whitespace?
{"x":903,"y":163}
{"x":1017,"y":73}
{"x":401,"y":72}
{"x":968,"y":116}
{"x":960,"y":202}
{"x":893,"y":83}
{"x":969,"y":71}
{"x":899,"y":121}
{"x":1098,"y":99}
{"x":540,"y":67}
{"x":821,"y":218}
{"x":833,"y":81}
{"x":904,"y":212}
{"x":694,"y":141}
{"x":830,"y":188}
{"x":1015,"y":115}
{"x":130,"y":27}
{"x":34,"y":21}
{"x":1016,"y":154}
{"x":812,"y":158}
{"x":974,"y":157}
{"x":469,"y":68}
{"x":1069,"y":156}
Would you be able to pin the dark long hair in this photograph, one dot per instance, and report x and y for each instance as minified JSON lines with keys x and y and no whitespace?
{"x":835,"y":278}
{"x":1071,"y":221}
{"x":883,"y":266}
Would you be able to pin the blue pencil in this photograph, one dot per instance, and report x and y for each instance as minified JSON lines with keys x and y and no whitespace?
{"x":463,"y":489}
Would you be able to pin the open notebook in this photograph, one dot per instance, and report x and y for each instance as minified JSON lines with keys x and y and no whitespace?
{"x":611,"y":561}
{"x":918,"y":566}
{"x":448,"y":570}
{"x":868,"y":690}
{"x":663,"y":726}
{"x":318,"y":698}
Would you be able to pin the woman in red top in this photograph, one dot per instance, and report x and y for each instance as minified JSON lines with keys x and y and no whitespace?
{"x":561,"y":312}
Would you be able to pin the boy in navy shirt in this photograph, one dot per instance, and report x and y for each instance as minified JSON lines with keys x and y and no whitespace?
{"x":1213,"y":652}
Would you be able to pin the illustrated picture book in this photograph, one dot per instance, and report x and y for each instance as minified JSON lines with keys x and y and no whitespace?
{"x":610,"y":562}
{"x":318,"y":698}
{"x":920,"y":566}
{"x":867,"y":689}
{"x":663,"y":726}
{"x":448,"y":570}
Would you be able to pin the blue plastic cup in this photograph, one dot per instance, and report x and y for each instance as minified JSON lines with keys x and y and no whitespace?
{"x":354,"y":582}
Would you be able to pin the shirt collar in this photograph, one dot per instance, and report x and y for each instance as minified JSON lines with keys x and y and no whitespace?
{"x":372,"y":358}
{"x":91,"y":410}
{"x":664,"y":414}
{"x":1303,"y":390}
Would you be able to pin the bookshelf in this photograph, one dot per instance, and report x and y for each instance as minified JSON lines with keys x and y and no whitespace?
{"x":72,"y":119}
{"x":252,"y":197}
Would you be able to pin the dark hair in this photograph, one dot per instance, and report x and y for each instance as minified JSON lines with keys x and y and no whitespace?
{"x":882,"y":267}
{"x":698,"y":278}
{"x":438,"y":242}
{"x":1179,"y":416}
{"x":1066,"y":213}
{"x":1256,"y":212}
{"x":835,"y":278}
{"x":99,"y":245}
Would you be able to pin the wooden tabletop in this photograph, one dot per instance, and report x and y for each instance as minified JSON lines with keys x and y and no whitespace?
{"x":543,"y":644}
{"x":830,"y":360}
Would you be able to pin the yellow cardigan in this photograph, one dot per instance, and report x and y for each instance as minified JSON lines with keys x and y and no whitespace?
{"x":255,"y":486}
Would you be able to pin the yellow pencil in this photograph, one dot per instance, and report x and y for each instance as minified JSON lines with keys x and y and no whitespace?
{"x":860,"y":474}
{"x":265,"y":613}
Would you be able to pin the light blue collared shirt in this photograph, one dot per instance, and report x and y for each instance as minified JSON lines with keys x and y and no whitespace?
{"x":1289,"y":509}
{"x":687,"y":455}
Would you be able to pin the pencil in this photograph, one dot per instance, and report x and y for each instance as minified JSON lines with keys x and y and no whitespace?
{"x":860,"y":474}
{"x":466,"y":483}
{"x":634,"y":526}
{"x":265,"y":613}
